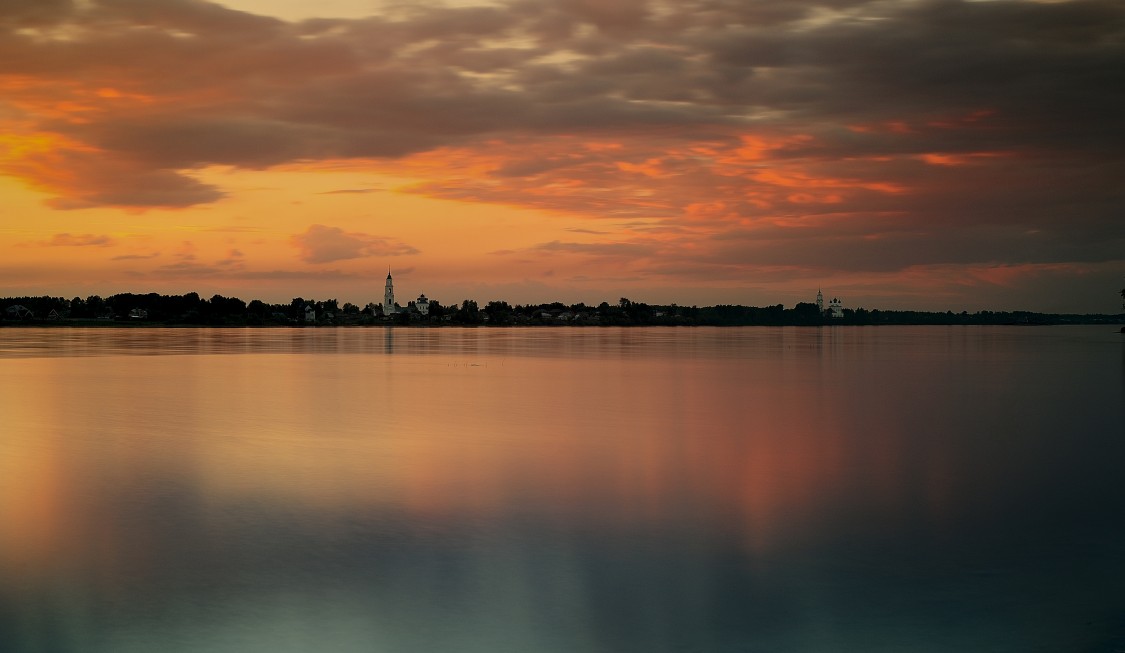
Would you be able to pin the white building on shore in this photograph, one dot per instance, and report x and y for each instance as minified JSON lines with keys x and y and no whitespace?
{"x":389,"y":296}
{"x":420,"y":305}
{"x":835,"y":307}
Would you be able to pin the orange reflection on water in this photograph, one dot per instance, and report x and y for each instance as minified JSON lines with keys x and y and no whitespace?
{"x":618,"y":442}
{"x":31,"y":498}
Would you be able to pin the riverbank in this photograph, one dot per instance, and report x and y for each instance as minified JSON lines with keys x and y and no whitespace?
{"x":927,"y":320}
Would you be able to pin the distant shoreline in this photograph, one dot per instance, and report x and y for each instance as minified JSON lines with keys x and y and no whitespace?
{"x":191,"y":310}
{"x":1083,"y":320}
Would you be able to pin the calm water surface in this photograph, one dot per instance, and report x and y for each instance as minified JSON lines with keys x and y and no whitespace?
{"x":572,"y":490}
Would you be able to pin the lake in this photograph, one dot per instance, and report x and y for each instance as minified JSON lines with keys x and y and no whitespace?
{"x":868,"y":489}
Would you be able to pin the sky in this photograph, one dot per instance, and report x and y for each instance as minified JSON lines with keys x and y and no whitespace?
{"x":928,"y":155}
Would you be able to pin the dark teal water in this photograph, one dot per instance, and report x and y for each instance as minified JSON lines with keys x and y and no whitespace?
{"x":838,"y":489}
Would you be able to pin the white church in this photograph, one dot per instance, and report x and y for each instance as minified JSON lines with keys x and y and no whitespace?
{"x":422,"y":305}
{"x":835,"y":307}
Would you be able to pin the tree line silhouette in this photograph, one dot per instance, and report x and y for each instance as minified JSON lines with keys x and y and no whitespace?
{"x":191,"y":309}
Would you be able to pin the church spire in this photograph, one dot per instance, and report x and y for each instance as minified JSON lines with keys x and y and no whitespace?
{"x":389,"y":295}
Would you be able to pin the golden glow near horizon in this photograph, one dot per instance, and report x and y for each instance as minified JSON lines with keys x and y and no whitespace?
{"x":558,"y":151}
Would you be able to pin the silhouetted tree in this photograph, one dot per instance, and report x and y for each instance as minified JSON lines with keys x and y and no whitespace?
{"x":296,"y":309}
{"x":499,"y":312}
{"x":469,"y":313}
{"x":95,"y":306}
{"x":222,"y":308}
{"x":807,"y":313}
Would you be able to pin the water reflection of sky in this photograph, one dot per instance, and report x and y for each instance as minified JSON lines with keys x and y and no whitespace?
{"x":743,"y":489}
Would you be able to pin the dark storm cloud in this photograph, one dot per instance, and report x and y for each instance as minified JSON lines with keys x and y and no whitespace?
{"x":973,"y":122}
{"x":185,"y":142}
{"x":285,"y":91}
{"x":22,"y":13}
{"x":192,"y":16}
{"x":722,"y":60}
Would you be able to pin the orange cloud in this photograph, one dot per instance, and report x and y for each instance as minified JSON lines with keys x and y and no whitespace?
{"x":946,"y":159}
{"x":321,"y":244}
{"x":79,"y":240}
{"x":795,"y":179}
{"x":640,"y":175}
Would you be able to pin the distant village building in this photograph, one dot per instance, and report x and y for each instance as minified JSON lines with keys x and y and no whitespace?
{"x":836,"y":308}
{"x":138,"y":314}
{"x":310,"y":313}
{"x":420,"y":306}
{"x":389,"y":296}
{"x":18,"y":312}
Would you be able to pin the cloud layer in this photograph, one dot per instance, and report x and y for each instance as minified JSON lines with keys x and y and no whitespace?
{"x":321,"y":244}
{"x":853,"y":135}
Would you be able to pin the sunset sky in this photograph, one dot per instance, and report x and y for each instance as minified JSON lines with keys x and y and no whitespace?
{"x":935,"y":154}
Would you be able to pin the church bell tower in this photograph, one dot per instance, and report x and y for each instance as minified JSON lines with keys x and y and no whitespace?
{"x":389,"y":296}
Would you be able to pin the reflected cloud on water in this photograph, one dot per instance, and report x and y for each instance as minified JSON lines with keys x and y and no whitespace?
{"x":624,"y":490}
{"x":515,"y":341}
